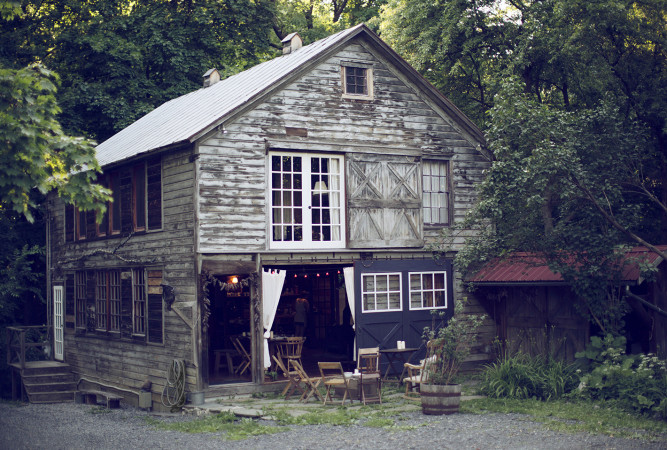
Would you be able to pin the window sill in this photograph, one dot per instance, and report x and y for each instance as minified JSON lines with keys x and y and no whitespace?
{"x":358,"y":97}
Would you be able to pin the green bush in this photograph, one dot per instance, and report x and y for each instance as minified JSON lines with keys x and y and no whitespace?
{"x":521,"y":376}
{"x":633,"y":382}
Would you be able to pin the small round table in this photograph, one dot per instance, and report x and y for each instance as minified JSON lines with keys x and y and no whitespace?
{"x":400,"y":355}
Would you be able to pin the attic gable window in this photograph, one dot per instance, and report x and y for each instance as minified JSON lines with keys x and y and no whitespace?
{"x":357,"y":80}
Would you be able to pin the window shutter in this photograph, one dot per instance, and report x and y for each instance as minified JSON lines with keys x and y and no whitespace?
{"x":154,"y":307}
{"x":154,"y":193}
{"x":384,"y":202}
{"x":126,"y":304}
{"x":126,"y":200}
{"x":69,"y":223}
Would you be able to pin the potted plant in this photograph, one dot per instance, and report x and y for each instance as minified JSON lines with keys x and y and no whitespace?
{"x":449,"y":346}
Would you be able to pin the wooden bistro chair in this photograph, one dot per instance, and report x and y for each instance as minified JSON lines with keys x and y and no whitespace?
{"x":333,"y":377}
{"x":369,"y":375}
{"x":245,"y":356}
{"x":418,"y":373}
{"x":290,"y":351}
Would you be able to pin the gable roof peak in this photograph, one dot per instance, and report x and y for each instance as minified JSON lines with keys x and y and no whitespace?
{"x":186,"y":118}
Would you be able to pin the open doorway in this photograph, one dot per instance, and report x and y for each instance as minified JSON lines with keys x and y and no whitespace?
{"x":313,"y":304}
{"x":229,"y":330}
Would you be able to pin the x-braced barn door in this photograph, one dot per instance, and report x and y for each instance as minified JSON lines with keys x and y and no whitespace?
{"x":58,"y":323}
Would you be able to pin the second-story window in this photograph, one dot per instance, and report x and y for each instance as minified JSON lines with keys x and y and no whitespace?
{"x":136,"y":203}
{"x":307,"y":207}
{"x":435,"y":183}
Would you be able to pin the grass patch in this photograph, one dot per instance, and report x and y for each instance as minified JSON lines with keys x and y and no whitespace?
{"x":225,"y":422}
{"x":340,"y":416}
{"x":379,"y":422}
{"x":575,"y":417}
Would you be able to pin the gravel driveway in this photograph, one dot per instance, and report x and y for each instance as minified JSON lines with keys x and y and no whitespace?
{"x":76,"y":426}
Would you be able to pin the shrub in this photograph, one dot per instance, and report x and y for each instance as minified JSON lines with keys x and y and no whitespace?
{"x":633,"y":382}
{"x":521,"y":376}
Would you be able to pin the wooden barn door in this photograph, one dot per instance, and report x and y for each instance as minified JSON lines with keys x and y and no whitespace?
{"x":542,"y":320}
{"x":389,"y":305}
{"x":58,"y":323}
{"x":384,"y":201}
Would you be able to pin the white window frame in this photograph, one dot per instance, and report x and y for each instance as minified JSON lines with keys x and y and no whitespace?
{"x":422,"y":290}
{"x":335,"y":188}
{"x":370,"y":90}
{"x":374,"y":292}
{"x":436,"y":192}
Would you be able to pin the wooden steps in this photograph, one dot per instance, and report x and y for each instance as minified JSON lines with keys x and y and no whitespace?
{"x":48,"y":382}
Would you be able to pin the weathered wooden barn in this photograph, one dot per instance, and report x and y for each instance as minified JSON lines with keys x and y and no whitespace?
{"x":323,"y":174}
{"x":537,"y":312}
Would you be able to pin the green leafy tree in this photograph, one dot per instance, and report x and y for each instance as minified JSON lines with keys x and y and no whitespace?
{"x":120,"y":59}
{"x":577,"y":134}
{"x":36,"y":155}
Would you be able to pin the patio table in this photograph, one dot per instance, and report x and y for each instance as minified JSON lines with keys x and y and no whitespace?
{"x":396,"y":355}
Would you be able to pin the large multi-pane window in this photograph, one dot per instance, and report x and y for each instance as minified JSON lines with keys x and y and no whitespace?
{"x":139,"y":301}
{"x":80,"y":298}
{"x":306,"y":201}
{"x":381,"y":292}
{"x":435,"y":183}
{"x":428,"y":290}
{"x":107,"y":300}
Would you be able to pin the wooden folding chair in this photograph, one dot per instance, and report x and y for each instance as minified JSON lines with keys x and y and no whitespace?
{"x":369,"y":374}
{"x":333,"y":376}
{"x":245,"y":356}
{"x":310,"y":384}
{"x":294,"y":378}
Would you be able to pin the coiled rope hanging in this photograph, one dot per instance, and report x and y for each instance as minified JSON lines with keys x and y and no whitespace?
{"x":173,"y":394}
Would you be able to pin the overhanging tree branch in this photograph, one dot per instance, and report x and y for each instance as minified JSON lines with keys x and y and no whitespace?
{"x":614,"y":223}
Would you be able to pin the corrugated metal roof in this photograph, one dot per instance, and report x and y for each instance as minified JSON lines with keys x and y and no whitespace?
{"x":184,"y":118}
{"x":528,"y":268}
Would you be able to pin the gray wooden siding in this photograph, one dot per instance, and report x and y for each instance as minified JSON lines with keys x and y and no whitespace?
{"x":232,"y":164}
{"x":124,"y":362}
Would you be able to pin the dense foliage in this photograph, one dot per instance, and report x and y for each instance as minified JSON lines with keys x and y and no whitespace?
{"x":451,"y":344}
{"x":520,"y":376}
{"x":633,"y":382}
{"x":602,"y":372}
{"x":573,"y":99}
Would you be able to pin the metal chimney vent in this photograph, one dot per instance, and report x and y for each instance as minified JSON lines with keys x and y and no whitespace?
{"x":211,"y":77}
{"x":291,"y":43}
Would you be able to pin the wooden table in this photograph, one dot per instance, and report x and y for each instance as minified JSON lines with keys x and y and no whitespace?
{"x":394,"y":355}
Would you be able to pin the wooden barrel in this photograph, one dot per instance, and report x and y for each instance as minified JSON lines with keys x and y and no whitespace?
{"x":438,"y":400}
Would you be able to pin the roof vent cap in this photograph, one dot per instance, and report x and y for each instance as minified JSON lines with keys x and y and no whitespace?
{"x":211,"y":77}
{"x":291,"y":43}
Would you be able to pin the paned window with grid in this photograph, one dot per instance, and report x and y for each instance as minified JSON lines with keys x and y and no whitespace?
{"x":428,"y":290}
{"x":306,"y":201}
{"x":435,"y":183}
{"x":381,"y":292}
{"x":356,"y":80}
{"x":107,"y":300}
{"x":80,"y":298}
{"x":139,"y":302}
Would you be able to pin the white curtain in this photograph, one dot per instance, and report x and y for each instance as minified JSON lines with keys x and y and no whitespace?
{"x":348,"y":272}
{"x":272,"y":286}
